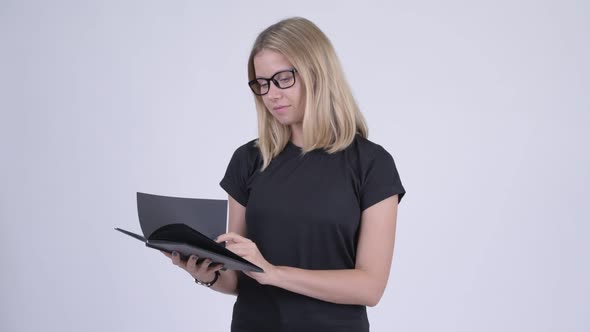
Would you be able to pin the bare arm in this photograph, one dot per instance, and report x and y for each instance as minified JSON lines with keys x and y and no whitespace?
{"x":362,"y":285}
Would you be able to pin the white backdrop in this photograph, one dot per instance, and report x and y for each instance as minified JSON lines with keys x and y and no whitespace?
{"x":484,"y":105}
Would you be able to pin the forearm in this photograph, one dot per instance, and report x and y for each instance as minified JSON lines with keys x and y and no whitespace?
{"x":227,"y":283}
{"x":352,"y":286}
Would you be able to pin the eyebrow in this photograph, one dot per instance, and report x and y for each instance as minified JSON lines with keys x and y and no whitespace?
{"x":279,"y":71}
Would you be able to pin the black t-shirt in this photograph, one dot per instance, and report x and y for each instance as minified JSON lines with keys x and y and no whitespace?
{"x":305,"y":212}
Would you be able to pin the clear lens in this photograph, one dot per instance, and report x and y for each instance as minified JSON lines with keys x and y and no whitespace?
{"x":282,"y":80}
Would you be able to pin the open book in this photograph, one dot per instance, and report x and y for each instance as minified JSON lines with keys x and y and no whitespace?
{"x":187,"y":226}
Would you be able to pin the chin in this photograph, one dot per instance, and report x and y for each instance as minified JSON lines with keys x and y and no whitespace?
{"x":284,"y":122}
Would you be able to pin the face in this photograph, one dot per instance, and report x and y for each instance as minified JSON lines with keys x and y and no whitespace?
{"x":286,"y":105}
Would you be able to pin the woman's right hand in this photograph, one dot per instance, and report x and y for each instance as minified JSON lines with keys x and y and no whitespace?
{"x":203,"y":271}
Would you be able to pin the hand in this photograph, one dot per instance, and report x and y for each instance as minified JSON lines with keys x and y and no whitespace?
{"x":204,"y":270}
{"x":248,"y":250}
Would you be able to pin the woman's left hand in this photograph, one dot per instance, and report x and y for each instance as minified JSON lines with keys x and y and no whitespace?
{"x":248,"y":250}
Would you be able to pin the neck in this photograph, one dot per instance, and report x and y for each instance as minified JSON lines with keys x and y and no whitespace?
{"x":297,"y":134}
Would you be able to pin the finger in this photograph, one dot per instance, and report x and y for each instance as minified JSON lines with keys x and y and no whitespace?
{"x":235,"y":248}
{"x":204,"y":266}
{"x":244,"y":245}
{"x":231,"y":236}
{"x":243,"y":249}
{"x":191,"y":263}
{"x":242,"y":252}
{"x":176,"y":258}
{"x":215,"y":267}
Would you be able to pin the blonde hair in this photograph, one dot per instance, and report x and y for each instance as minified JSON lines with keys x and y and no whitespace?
{"x":331,"y":117}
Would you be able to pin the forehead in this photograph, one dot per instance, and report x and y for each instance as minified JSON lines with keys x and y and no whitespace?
{"x":267,"y":62}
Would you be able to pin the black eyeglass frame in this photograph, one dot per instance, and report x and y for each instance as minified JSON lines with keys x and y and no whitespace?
{"x":275,"y":82}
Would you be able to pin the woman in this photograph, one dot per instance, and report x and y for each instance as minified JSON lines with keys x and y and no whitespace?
{"x":312,"y":201}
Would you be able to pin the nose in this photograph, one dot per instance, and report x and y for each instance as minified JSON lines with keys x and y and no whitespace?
{"x":274,"y":92}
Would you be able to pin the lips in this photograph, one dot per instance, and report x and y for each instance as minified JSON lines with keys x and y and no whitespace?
{"x":279,"y":108}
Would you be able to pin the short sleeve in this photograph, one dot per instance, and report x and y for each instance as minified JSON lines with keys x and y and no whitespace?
{"x":238,"y":172}
{"x":380,"y":179}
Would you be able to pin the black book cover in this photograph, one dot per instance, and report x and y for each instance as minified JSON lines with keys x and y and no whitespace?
{"x":188,"y":226}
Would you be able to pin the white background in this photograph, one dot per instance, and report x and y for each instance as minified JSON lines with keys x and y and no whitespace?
{"x":484,"y":105}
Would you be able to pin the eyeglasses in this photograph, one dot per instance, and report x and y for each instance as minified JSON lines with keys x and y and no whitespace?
{"x":282,"y":80}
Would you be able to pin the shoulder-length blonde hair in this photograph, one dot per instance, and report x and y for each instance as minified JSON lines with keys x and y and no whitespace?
{"x":331,"y":117}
